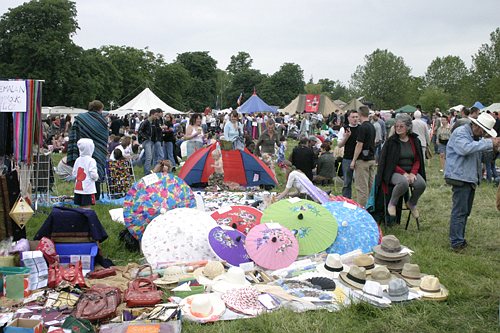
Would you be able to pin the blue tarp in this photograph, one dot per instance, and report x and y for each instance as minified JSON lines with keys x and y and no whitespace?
{"x":256,"y":104}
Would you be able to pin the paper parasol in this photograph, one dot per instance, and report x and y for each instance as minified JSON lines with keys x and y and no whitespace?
{"x":271,"y":246}
{"x":228,"y":244}
{"x":238,"y":217}
{"x":312,"y":224}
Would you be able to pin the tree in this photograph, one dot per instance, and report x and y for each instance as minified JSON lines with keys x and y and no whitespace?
{"x":450,"y":74}
{"x":313,"y":88}
{"x":383,"y":79}
{"x":35,"y":42}
{"x":334,"y":89}
{"x":243,"y":82}
{"x":240,"y":62}
{"x":486,"y":70}
{"x":203,"y":71}
{"x":434,"y":97}
{"x":288,"y":82}
{"x":172,"y":83}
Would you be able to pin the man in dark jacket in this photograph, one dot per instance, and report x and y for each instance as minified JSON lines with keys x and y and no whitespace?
{"x":303,"y":158}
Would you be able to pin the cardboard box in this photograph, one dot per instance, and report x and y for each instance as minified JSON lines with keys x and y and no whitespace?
{"x":24,"y":326}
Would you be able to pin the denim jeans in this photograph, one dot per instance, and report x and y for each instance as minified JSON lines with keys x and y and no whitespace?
{"x":462,"y":199}
{"x":158,"y":152}
{"x":489,"y":163}
{"x":148,"y":147}
{"x":168,"y":147}
{"x":347,"y":173}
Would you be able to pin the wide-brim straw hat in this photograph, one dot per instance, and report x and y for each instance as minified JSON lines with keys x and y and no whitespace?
{"x":411,"y":274}
{"x":381,"y":274}
{"x":332,"y":266}
{"x":432,"y":289}
{"x":393,"y":266}
{"x":390,"y":247}
{"x":356,"y":277}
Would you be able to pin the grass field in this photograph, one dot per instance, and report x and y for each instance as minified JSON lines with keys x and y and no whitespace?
{"x":473,"y":277}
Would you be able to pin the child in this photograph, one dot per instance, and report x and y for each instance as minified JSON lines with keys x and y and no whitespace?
{"x":164,"y":167}
{"x":216,"y":179}
{"x":85,"y":171}
{"x":281,"y":153}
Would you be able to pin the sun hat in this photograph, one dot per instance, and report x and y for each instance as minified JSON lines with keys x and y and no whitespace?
{"x":356,"y":277}
{"x":411,"y":274}
{"x":203,"y":307}
{"x":390,"y":247}
{"x":397,"y":291}
{"x":393,"y":265}
{"x":243,"y":300}
{"x":233,"y":278}
{"x":486,"y":122}
{"x":366,"y":261}
{"x":332,"y":266}
{"x":171,"y":274}
{"x":210,"y":271}
{"x":381,"y":274}
{"x":432,"y":289}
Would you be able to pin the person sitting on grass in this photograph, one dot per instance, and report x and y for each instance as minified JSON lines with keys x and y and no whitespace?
{"x":164,"y":167}
{"x":216,"y":179}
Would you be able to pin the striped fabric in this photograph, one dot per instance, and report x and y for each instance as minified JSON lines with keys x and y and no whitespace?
{"x":90,"y":125}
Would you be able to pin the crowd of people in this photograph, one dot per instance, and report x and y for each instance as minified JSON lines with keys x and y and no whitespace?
{"x":368,"y":149}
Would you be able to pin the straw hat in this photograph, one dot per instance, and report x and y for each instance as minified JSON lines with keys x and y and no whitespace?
{"x":486,"y":122}
{"x":397,"y":291}
{"x":433,"y":290}
{"x":411,"y":274}
{"x":332,"y":266}
{"x":356,"y":277}
{"x":171,"y":274}
{"x":211,"y":270}
{"x":203,"y":307}
{"x":366,"y":261}
{"x":393,"y":266}
{"x":243,"y":300}
{"x":234,"y":278}
{"x":390,"y":247}
{"x":381,"y":274}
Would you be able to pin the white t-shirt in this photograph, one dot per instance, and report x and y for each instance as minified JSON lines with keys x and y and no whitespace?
{"x":293,"y":181}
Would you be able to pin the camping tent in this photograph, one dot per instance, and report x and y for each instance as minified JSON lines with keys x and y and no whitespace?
{"x":240,"y":167}
{"x":255,"y":104}
{"x":144,"y":102}
{"x":406,"y":109}
{"x":58,"y":110}
{"x":298,"y":105}
{"x":493,"y":107}
{"x":353,"y":104}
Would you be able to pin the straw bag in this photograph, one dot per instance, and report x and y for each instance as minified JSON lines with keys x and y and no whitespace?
{"x":21,"y":212}
{"x":142,"y":292}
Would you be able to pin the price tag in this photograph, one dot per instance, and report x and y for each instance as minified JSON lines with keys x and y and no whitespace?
{"x":247,"y":266}
{"x":294,"y":200}
{"x":349,"y":205}
{"x":150,"y":179}
{"x":273,"y":225}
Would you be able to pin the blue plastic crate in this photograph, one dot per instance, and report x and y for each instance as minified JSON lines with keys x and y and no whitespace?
{"x":66,"y":250}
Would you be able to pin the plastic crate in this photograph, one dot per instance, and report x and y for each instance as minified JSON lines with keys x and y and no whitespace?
{"x":85,"y":251}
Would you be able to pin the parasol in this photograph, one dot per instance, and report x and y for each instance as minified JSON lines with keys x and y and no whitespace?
{"x":271,"y":246}
{"x":179,"y":235}
{"x":356,"y":228}
{"x":228,"y":244}
{"x":312,"y":224}
{"x":151,"y":194}
{"x":242,"y":218}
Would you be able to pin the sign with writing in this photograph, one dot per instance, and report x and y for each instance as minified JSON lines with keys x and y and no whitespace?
{"x":13,"y":96}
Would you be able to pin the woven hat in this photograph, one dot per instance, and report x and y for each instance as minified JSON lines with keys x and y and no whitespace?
{"x":394,"y":265}
{"x":381,"y":274}
{"x":332,"y":266}
{"x":171,"y":274}
{"x":397,"y":291}
{"x":390,"y":247}
{"x":411,"y":274}
{"x":243,"y":300}
{"x":211,"y":270}
{"x":366,"y":261}
{"x":356,"y":277}
{"x":203,"y":307}
{"x":432,"y":289}
{"x":233,"y":278}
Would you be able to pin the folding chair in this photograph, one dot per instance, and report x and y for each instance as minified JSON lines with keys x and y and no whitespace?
{"x":399,"y":209}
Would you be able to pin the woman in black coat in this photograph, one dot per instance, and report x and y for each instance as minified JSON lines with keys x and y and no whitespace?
{"x":402,"y":165}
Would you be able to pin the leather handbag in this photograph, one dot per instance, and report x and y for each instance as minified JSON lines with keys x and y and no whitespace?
{"x":72,"y":274}
{"x":102,"y":273}
{"x":128,"y":273}
{"x":142,"y":292}
{"x":98,"y":303}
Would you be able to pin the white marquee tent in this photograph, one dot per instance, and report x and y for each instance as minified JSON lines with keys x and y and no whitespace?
{"x":144,"y":102}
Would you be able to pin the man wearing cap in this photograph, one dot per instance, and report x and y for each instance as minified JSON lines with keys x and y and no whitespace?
{"x":463,"y":170}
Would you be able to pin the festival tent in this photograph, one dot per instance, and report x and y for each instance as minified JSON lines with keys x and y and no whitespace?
{"x":493,"y":107}
{"x":255,"y":104}
{"x":325,"y":106}
{"x":58,"y":110}
{"x":144,"y":102}
{"x":406,"y":109}
{"x":353,"y":104}
{"x":478,"y":105}
{"x":241,"y":167}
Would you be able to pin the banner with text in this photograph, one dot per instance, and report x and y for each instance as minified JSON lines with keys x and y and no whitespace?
{"x":13,"y":96}
{"x":312,"y":103}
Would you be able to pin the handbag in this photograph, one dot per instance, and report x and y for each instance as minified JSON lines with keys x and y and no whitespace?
{"x":48,"y":248}
{"x":128,"y":273}
{"x":428,"y":152}
{"x":102,"y":273}
{"x":142,"y":292}
{"x":98,"y":303}
{"x":72,"y":274}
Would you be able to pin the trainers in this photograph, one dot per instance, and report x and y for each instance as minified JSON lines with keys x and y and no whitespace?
{"x":414,"y":211}
{"x":391,"y":210}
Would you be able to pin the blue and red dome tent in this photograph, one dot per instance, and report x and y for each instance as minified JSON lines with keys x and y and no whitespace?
{"x":241,"y":167}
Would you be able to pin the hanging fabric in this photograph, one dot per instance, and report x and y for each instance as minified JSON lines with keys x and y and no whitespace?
{"x":27,"y":131}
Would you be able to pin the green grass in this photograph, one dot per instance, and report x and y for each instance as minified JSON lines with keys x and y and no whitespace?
{"x":472,"y":277}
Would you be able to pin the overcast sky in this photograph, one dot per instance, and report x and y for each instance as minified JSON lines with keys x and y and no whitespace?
{"x":328,"y":39}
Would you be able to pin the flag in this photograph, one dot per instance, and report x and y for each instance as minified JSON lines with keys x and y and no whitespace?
{"x":239,"y":99}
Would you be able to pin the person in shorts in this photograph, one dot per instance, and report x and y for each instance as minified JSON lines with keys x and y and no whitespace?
{"x":85,"y":173}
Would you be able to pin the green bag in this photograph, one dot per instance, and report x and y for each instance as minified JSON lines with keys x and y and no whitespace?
{"x":78,"y":325}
